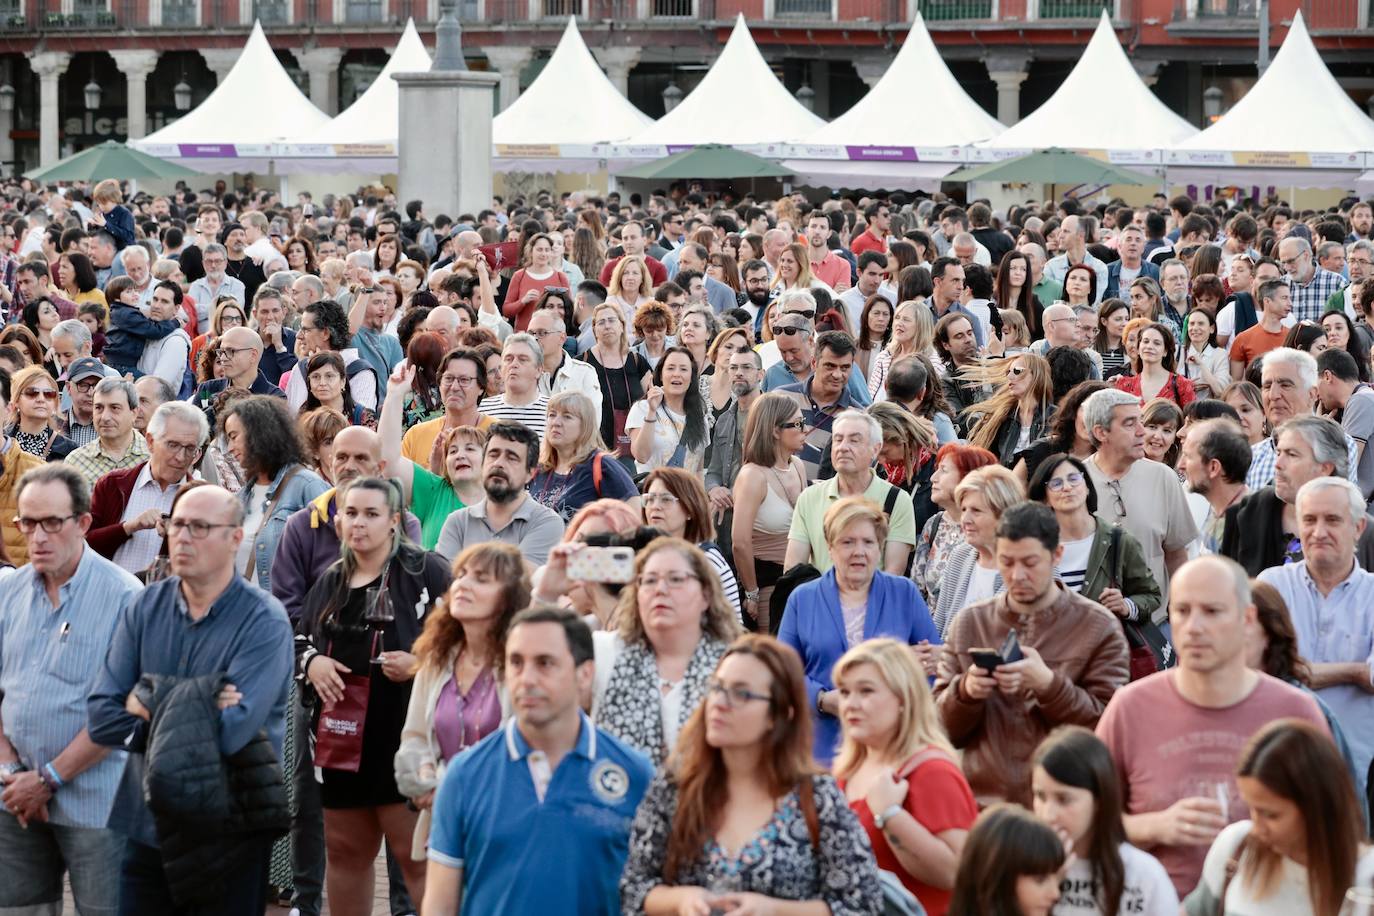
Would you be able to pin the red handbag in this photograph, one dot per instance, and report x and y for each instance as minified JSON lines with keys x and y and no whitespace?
{"x":339,"y":734}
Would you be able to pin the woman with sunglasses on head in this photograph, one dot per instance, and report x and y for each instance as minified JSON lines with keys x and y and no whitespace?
{"x":673,"y":624}
{"x":33,"y":415}
{"x":899,"y":771}
{"x":1019,"y":410}
{"x":769,"y":483}
{"x":1102,"y":562}
{"x":1153,"y":374}
{"x":739,"y":820}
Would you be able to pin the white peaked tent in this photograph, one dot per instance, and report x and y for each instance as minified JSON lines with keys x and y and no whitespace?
{"x":1102,"y":105}
{"x":236,"y":128}
{"x":363,"y":137}
{"x":846,"y":152}
{"x":739,"y":103}
{"x":1296,"y":125}
{"x":569,"y":107}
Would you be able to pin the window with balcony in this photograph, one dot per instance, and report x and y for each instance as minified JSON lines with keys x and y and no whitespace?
{"x":810,"y":9}
{"x":271,"y":12}
{"x":179,"y":12}
{"x":1227,"y":9}
{"x":673,"y":8}
{"x":88,"y":14}
{"x":944,"y":10}
{"x":562,"y":9}
{"x":1075,"y":9}
{"x":363,"y":11}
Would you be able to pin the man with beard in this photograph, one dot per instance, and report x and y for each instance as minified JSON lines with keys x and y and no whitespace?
{"x":240,"y":266}
{"x":757,"y":281}
{"x":727,"y":440}
{"x":508,"y":514}
{"x":1215,"y":459}
{"x":958,"y":347}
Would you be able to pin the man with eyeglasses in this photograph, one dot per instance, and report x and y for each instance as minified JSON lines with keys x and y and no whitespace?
{"x":561,"y":371}
{"x":57,"y":785}
{"x":204,"y":621}
{"x":758,"y":288}
{"x":238,"y":356}
{"x":128,"y":505}
{"x":1359,"y":263}
{"x":206,"y":291}
{"x":1311,"y":285}
{"x":1144,"y":497}
{"x":673,"y":234}
{"x":78,"y":421}
{"x":462,"y":384}
{"x":116,"y":402}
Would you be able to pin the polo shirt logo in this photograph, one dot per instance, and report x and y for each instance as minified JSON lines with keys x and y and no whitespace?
{"x":610,"y":782}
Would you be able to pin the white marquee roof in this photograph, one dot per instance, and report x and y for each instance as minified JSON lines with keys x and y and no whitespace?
{"x":738,"y":102}
{"x":571,"y":102}
{"x":1299,"y":91}
{"x":887,"y":117}
{"x":1102,"y":105}
{"x":375,"y":116}
{"x":256,"y":103}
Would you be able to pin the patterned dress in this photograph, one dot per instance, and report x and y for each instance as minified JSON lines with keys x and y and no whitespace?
{"x":939,"y":536}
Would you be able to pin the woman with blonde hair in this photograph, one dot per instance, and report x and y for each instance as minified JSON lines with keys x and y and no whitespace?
{"x":623,"y":374}
{"x":971,"y":572}
{"x":913,"y":333}
{"x":770,"y":481}
{"x":574,"y":468}
{"x":715,"y":383}
{"x":794,"y":271}
{"x":908,"y":444}
{"x":899,"y":771}
{"x":1019,"y":410}
{"x":458,"y":696}
{"x":674,"y":624}
{"x":631,"y":285}
{"x":228,"y":314}
{"x":33,"y":415}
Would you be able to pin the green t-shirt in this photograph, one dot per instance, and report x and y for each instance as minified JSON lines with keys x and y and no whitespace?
{"x":432,"y":500}
{"x":811,"y":507}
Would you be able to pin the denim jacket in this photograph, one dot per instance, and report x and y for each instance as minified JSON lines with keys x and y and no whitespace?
{"x":303,"y":487}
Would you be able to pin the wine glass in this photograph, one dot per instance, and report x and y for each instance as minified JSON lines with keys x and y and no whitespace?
{"x":1359,"y":901}
{"x":378,"y":614}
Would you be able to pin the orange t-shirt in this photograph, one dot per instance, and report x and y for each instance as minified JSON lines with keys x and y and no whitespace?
{"x":1256,"y":341}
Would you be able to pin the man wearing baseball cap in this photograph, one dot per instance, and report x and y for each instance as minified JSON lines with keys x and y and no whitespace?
{"x":82,"y":377}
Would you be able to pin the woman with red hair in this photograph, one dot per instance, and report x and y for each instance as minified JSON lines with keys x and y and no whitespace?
{"x":942,"y":533}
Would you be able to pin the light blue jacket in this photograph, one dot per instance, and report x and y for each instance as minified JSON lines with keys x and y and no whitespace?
{"x":304,"y":486}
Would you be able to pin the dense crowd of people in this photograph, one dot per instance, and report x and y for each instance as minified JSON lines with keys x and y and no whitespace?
{"x":685,"y":554}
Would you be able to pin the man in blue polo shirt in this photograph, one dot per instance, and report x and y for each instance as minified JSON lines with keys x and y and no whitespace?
{"x":536,"y":817}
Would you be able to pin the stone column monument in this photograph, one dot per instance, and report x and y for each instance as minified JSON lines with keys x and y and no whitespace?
{"x":444,"y":144}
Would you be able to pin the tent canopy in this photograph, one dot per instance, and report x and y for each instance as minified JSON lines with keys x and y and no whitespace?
{"x":1103,"y":104}
{"x":887,"y":117}
{"x":256,"y":104}
{"x":571,"y":102}
{"x":374,"y":117}
{"x":1316,"y":113}
{"x":710,"y":161}
{"x":1052,"y":166}
{"x":738,"y":102}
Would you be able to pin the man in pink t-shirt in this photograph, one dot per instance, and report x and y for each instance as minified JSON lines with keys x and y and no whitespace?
{"x":826,"y":266}
{"x":1176,"y":736}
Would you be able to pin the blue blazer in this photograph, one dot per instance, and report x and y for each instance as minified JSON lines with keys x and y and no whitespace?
{"x":813,"y":625}
{"x":1113,"y":290}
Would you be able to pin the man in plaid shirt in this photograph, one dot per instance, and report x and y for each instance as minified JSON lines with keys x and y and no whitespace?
{"x":1311,"y":285}
{"x":1288,"y":385}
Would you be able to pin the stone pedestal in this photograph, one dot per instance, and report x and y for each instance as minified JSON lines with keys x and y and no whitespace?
{"x":445,"y":139}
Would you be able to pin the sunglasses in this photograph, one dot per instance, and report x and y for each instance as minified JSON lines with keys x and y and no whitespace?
{"x":789,"y":331}
{"x":1017,"y":370}
{"x":793,"y":424}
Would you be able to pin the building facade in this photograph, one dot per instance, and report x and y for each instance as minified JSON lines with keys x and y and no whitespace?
{"x":90,"y":70}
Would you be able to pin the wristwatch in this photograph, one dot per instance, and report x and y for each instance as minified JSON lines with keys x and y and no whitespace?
{"x":751,"y":596}
{"x":9,"y":769}
{"x":880,"y":820}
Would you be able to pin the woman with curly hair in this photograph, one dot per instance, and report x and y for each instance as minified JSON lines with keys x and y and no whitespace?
{"x":653,"y":326}
{"x":459,"y":695}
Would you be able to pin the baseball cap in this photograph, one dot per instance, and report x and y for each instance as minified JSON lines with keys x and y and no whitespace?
{"x":85,"y":367}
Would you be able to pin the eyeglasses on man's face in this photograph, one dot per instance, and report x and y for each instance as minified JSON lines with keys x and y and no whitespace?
{"x":224,"y":354}
{"x":52,"y":524}
{"x":198,"y":529}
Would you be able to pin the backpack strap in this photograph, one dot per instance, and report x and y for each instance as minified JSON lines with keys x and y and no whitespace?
{"x":596,"y":473}
{"x":1114,"y":558}
{"x":890,"y":502}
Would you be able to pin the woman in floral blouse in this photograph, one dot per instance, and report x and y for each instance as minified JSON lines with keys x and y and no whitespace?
{"x":941,"y":533}
{"x":740,"y":818}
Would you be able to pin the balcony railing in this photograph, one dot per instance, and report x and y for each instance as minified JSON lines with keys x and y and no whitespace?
{"x":179,"y":14}
{"x":271,"y":12}
{"x":363,"y":11}
{"x":1338,"y":15}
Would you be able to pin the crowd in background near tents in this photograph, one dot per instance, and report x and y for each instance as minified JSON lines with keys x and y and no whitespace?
{"x":685,"y":553}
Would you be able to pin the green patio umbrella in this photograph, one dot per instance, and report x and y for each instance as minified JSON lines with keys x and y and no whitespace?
{"x":1052,"y":166}
{"x":711,"y":160}
{"x":110,"y":160}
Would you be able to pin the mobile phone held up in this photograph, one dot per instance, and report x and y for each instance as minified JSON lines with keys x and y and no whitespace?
{"x":990,"y":660}
{"x":603,"y":564}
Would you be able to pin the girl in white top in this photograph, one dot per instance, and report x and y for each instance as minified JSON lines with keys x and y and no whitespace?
{"x":913,"y":331}
{"x":1077,"y":792}
{"x":1206,"y":364}
{"x":669,"y":428}
{"x":1301,"y":849}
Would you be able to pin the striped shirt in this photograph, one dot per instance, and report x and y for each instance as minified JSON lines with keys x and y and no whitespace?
{"x":49,"y":657}
{"x":92,"y":462}
{"x":534,"y":415}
